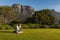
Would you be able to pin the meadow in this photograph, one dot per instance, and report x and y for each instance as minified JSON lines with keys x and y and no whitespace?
{"x":31,"y":34}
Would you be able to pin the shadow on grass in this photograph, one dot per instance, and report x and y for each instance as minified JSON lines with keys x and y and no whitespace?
{"x":5,"y":31}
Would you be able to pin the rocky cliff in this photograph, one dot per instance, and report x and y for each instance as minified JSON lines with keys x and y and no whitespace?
{"x":23,"y":11}
{"x":56,"y":15}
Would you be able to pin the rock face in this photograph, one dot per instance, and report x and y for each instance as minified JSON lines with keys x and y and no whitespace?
{"x":56,"y":15}
{"x":17,"y":8}
{"x":23,"y":11}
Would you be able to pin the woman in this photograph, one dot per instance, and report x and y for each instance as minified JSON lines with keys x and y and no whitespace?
{"x":17,"y":28}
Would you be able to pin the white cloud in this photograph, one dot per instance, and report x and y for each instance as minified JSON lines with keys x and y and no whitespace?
{"x":56,"y":7}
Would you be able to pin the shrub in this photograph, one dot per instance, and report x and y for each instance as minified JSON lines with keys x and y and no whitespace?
{"x":29,"y":25}
{"x":5,"y":27}
{"x":33,"y":25}
{"x":57,"y":26}
{"x":25,"y":26}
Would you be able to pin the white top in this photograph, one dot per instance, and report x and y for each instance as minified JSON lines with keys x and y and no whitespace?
{"x":17,"y":27}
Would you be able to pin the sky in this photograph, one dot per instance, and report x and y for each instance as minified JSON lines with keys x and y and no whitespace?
{"x":36,"y":4}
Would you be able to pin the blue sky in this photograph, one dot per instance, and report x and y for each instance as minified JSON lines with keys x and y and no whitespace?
{"x":36,"y":4}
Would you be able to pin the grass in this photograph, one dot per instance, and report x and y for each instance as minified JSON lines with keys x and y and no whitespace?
{"x":31,"y":34}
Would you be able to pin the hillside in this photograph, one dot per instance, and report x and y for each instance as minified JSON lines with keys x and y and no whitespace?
{"x":15,"y":12}
{"x":56,"y":15}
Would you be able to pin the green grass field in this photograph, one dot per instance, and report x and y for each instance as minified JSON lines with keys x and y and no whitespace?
{"x":31,"y":34}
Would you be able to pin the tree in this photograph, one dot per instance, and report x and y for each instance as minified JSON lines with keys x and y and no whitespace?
{"x":44,"y":17}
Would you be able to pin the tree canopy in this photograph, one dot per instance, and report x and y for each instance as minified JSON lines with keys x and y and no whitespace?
{"x":44,"y":17}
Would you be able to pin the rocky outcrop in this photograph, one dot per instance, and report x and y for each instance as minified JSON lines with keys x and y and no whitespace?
{"x":23,"y":11}
{"x":56,"y":15}
{"x":17,"y":8}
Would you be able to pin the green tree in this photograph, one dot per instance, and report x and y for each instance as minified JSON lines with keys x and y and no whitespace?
{"x":44,"y":17}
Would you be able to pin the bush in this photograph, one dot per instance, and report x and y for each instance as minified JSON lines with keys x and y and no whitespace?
{"x":33,"y":25}
{"x":25,"y":26}
{"x":57,"y":26}
{"x":29,"y":25}
{"x":5,"y":27}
